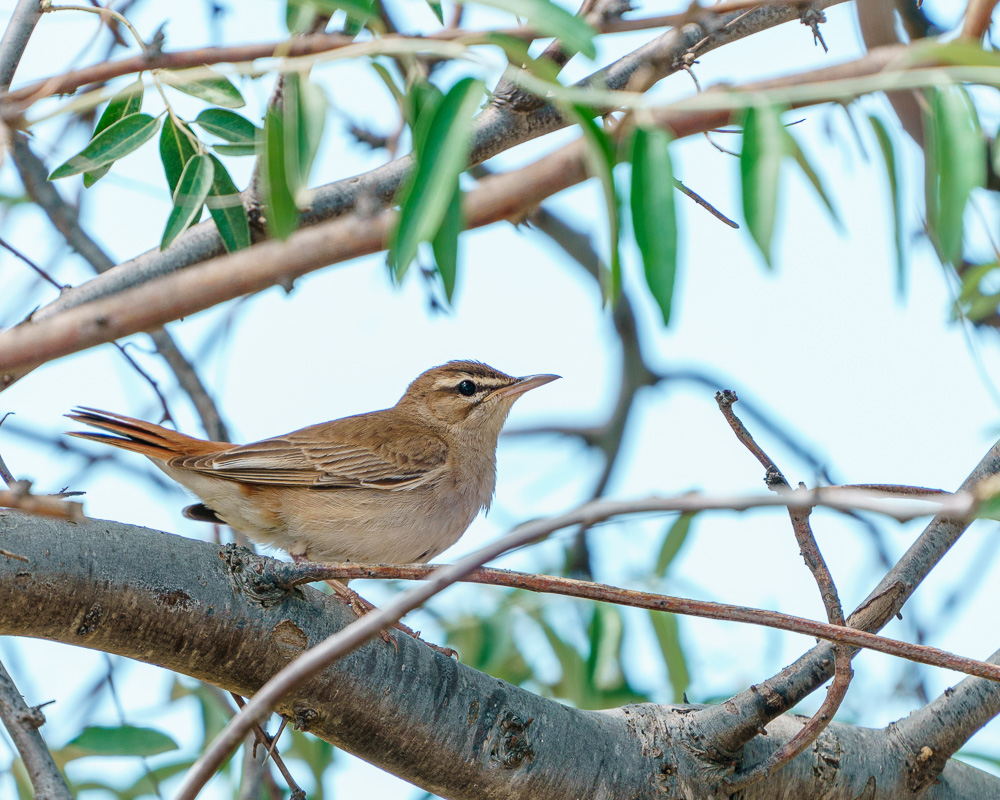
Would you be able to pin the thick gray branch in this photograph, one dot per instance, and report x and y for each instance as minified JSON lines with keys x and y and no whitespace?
{"x":209,"y":612}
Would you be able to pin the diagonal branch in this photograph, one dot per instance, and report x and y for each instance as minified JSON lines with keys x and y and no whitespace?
{"x":15,"y":38}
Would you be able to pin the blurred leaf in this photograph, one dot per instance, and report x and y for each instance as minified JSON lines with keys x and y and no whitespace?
{"x":672,"y":543}
{"x":235,"y":149}
{"x":668,"y":636}
{"x":548,"y":18}
{"x":601,"y":158}
{"x":189,"y":197}
{"x":228,"y":125}
{"x":215,"y":88}
{"x":282,"y":213}
{"x":487,"y":643}
{"x":304,"y":112}
{"x":146,"y":784}
{"x":760,"y":162}
{"x":892,"y":172}
{"x":795,"y":151}
{"x":226,"y":208}
{"x":955,"y":165}
{"x":127,"y":102}
{"x":316,"y":754}
{"x":125,"y":740}
{"x":176,"y":149}
{"x":441,"y":143}
{"x":654,"y":218}
{"x":438,"y":11}
{"x":22,"y":782}
{"x":215,"y":710}
{"x":361,"y":12}
{"x":972,"y":303}
{"x":445,"y":244}
{"x":117,"y":140}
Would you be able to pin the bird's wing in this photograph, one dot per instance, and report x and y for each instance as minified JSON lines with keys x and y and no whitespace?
{"x":326,"y":457}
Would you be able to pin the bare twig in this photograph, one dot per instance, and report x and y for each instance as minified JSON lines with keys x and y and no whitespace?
{"x":167,"y":416}
{"x":15,"y":38}
{"x":22,"y":724}
{"x":41,"y":272}
{"x":43,"y":505}
{"x":270,"y":745}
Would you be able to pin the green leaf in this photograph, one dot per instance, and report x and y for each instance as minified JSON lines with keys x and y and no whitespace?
{"x":177,"y":147}
{"x":390,"y":84}
{"x":445,"y":244}
{"x":125,"y":740}
{"x":955,"y":165}
{"x":672,"y":543}
{"x":654,"y":218}
{"x":668,"y":636}
{"x":304,"y":109}
{"x":228,"y":125}
{"x":892,"y":172}
{"x":127,"y":102}
{"x":760,"y":162}
{"x":552,"y":20}
{"x":438,"y":11}
{"x":360,"y":12}
{"x":795,"y":151}
{"x":215,"y":88}
{"x":601,"y":158}
{"x":235,"y":149}
{"x":441,"y":144}
{"x":189,"y":197}
{"x":117,"y":140}
{"x":227,"y":209}
{"x":282,"y":213}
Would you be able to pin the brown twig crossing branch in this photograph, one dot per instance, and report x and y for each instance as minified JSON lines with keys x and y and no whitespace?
{"x":808,"y":547}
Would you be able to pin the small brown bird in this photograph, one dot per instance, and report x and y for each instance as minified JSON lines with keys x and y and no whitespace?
{"x":399,"y":485}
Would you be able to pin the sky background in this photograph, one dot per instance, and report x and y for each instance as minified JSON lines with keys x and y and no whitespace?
{"x":881,"y":388}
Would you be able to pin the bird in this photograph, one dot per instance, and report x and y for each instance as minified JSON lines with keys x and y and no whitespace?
{"x":394,"y":486}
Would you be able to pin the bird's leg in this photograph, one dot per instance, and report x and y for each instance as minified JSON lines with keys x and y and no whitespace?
{"x":360,"y":607}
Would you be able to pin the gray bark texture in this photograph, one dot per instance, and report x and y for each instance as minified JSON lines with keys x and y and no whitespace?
{"x":214,"y":613}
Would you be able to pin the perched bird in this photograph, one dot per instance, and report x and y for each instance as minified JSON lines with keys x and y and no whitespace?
{"x":398,"y":485}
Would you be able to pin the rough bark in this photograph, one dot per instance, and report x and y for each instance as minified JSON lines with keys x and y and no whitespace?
{"x":210,"y":613}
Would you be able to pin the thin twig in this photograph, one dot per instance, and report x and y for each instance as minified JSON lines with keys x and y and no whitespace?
{"x":22,"y":724}
{"x":15,"y":38}
{"x":41,"y":272}
{"x":167,"y":416}
{"x":705,"y":204}
{"x":270,"y":743}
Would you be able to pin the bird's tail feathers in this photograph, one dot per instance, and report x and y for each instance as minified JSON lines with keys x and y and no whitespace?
{"x":146,"y":438}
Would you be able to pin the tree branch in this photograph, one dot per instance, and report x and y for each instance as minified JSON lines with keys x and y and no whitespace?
{"x":22,"y":724}
{"x":15,"y":38}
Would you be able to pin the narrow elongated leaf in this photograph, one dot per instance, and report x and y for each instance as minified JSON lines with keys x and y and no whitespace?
{"x":672,"y":543}
{"x":398,"y":94}
{"x":127,"y":102}
{"x":235,"y":149}
{"x":552,"y":20}
{"x":227,"y":209}
{"x":228,"y":125}
{"x":795,"y":151}
{"x":282,"y":213}
{"x":361,"y":12}
{"x":304,"y":112}
{"x":601,"y":159}
{"x":117,"y":140}
{"x":958,"y":166}
{"x":445,"y":244}
{"x":189,"y":196}
{"x":668,"y":636}
{"x":125,"y":740}
{"x":438,"y":11}
{"x":177,"y":146}
{"x":441,"y":141}
{"x":216,"y":88}
{"x":892,"y":173}
{"x":654,"y":217}
{"x":760,"y":163}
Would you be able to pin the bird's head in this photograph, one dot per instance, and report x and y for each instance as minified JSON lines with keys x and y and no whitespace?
{"x":468,"y":398}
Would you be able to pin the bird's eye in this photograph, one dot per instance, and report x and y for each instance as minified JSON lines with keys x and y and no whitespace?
{"x":467,"y":388}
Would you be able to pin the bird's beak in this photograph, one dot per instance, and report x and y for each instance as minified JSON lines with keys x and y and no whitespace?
{"x":522,"y":385}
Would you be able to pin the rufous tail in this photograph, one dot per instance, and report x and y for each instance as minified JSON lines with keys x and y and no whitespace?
{"x":146,"y":438}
